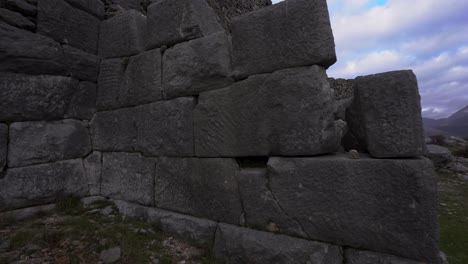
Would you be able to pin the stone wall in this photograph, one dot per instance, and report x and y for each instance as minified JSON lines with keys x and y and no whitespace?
{"x":232,"y":138}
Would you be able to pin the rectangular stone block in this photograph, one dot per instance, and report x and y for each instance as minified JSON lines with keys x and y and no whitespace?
{"x":16,"y":19}
{"x":41,"y":184}
{"x":197,"y":66}
{"x":354,"y":256}
{"x":129,"y":177}
{"x":289,"y":112}
{"x":166,"y":128}
{"x":83,"y":103}
{"x":290,"y":34}
{"x":68,"y":25}
{"x":385,"y":116}
{"x":3,"y":145}
{"x":79,"y":64}
{"x":43,"y":142}
{"x":241,"y":245}
{"x":93,"y":7}
{"x":93,"y":167}
{"x":171,"y":22}
{"x":205,"y":188}
{"x":122,"y":35}
{"x":42,"y":97}
{"x":388,"y":206}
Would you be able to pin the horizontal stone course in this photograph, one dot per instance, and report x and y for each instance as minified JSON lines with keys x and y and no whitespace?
{"x":96,"y":8}
{"x":22,"y":6}
{"x":354,"y":256}
{"x":3,"y":145}
{"x":16,"y":19}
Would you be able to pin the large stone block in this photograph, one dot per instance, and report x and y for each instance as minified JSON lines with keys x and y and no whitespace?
{"x":41,"y":97}
{"x":241,"y":245}
{"x":41,"y":184}
{"x":114,"y":130}
{"x":79,"y":64}
{"x":197,"y":66}
{"x":3,"y":145}
{"x":16,"y":19}
{"x":122,"y":35}
{"x":42,"y":142}
{"x":93,"y":7}
{"x":166,"y":128}
{"x":68,"y":25}
{"x":171,"y":22}
{"x":289,"y":34}
{"x":199,"y":187}
{"x":83,"y":103}
{"x":129,"y":177}
{"x":388,"y":206}
{"x":385,"y":116}
{"x":110,"y":81}
{"x":289,"y":112}
{"x":93,"y":167}
{"x":354,"y":256}
{"x":227,"y":9}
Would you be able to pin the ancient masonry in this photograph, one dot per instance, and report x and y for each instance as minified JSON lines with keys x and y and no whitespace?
{"x":216,"y":121}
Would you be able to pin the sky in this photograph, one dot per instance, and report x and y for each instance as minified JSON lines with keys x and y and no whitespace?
{"x":428,"y":36}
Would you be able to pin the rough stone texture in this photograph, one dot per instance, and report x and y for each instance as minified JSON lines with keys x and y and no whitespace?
{"x":439,"y":155}
{"x":354,"y":256}
{"x":22,"y":7}
{"x":240,"y":245}
{"x":41,"y":184}
{"x":289,"y":34}
{"x":68,"y":25}
{"x":114,"y":130}
{"x":129,"y":177}
{"x":93,"y":167}
{"x":3,"y":145}
{"x":289,"y":112}
{"x":27,"y":213}
{"x":79,"y":64}
{"x":122,"y":35}
{"x":34,"y":97}
{"x":171,"y":22}
{"x":166,"y":128}
{"x":385,"y":116}
{"x":83,"y":103}
{"x":387,"y":206}
{"x":200,"y":187}
{"x":42,"y":142}
{"x":110,"y":255}
{"x":110,"y":80}
{"x":93,"y":7}
{"x":197,"y":66}
{"x":16,"y":19}
{"x":227,"y":9}
{"x":344,"y":88}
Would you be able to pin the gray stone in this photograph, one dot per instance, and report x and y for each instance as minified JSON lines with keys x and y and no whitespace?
{"x":129,"y":177}
{"x":93,"y":167}
{"x":29,"y":212}
{"x":122,"y":35}
{"x":42,"y":142}
{"x":344,"y":89}
{"x":388,"y":206}
{"x":41,"y":97}
{"x":79,"y":64}
{"x":110,"y":255}
{"x":289,"y":112}
{"x":439,"y":155}
{"x":41,"y":184}
{"x":354,"y":256}
{"x":240,"y":245}
{"x":22,"y":7}
{"x":90,"y":200}
{"x":171,"y":22}
{"x":385,"y":116}
{"x":114,"y":130}
{"x":197,"y":66}
{"x":166,"y":128}
{"x":110,"y":81}
{"x":16,"y":19}
{"x":93,"y":7}
{"x":205,"y":188}
{"x":289,"y":34}
{"x":227,"y":9}
{"x":3,"y":145}
{"x":68,"y":25}
{"x":83,"y":103}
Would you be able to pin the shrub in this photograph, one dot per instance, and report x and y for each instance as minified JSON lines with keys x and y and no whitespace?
{"x":461,"y":152}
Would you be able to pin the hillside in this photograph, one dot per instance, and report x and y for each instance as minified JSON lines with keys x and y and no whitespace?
{"x":454,"y":125}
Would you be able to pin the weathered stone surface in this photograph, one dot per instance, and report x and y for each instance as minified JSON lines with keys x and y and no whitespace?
{"x":93,"y":167}
{"x":114,"y":130}
{"x":289,"y":112}
{"x":227,"y":9}
{"x":289,"y":34}
{"x":3,"y":145}
{"x":197,"y":66}
{"x":166,"y":128}
{"x":344,"y":88}
{"x":29,"y":212}
{"x":41,"y":184}
{"x":42,"y":142}
{"x":129,"y":177}
{"x":16,"y":19}
{"x":79,"y":64}
{"x":110,"y":81}
{"x":354,"y":256}
{"x":122,"y":35}
{"x":387,"y":206}
{"x":240,"y":245}
{"x":439,"y":155}
{"x":110,"y":255}
{"x":171,"y":22}
{"x":34,"y":97}
{"x":200,"y":187}
{"x":93,"y":7}
{"x":385,"y":116}
{"x":83,"y":103}
{"x":22,"y":7}
{"x":68,"y":25}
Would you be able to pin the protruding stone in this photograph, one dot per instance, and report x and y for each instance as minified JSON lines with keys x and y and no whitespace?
{"x":290,"y":34}
{"x":439,"y":155}
{"x":95,"y":8}
{"x":92,"y":165}
{"x":16,"y":19}
{"x":240,"y":245}
{"x":129,"y":177}
{"x":354,"y":256}
{"x":41,"y":184}
{"x":288,"y":113}
{"x":171,"y":22}
{"x":83,"y":103}
{"x":42,"y":142}
{"x":3,"y":145}
{"x":197,"y":66}
{"x":122,"y":35}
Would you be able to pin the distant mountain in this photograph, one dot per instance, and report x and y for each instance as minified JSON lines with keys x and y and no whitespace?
{"x":454,"y":125}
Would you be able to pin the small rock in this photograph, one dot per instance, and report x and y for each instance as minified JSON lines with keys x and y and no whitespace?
{"x":110,"y":255}
{"x":106,"y":211}
{"x":353,"y":154}
{"x":31,"y":248}
{"x":4,"y":245}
